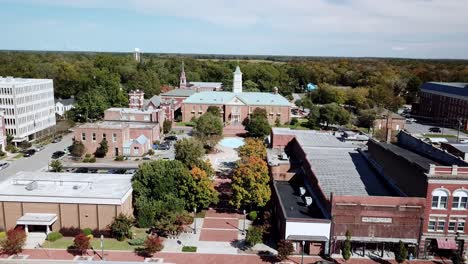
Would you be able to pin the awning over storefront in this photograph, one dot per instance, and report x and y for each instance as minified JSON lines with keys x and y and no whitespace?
{"x":307,"y":238}
{"x":37,"y":219}
{"x":446,"y":243}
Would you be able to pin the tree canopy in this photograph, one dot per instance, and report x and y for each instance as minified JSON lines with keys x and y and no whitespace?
{"x":189,"y":151}
{"x":257,"y":125}
{"x":209,"y":129}
{"x":252,"y":148}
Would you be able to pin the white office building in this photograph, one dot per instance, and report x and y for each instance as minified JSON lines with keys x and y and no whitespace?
{"x":28,"y":105}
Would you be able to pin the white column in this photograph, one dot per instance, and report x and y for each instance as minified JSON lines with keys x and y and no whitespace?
{"x":26,"y":229}
{"x":47,"y":229}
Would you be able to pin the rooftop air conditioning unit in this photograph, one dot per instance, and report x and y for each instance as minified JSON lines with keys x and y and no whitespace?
{"x":308,"y":200}
{"x":75,"y":187}
{"x":31,"y":186}
{"x":302,"y":190}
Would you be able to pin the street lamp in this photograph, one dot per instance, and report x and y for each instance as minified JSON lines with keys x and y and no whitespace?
{"x":195,"y":220}
{"x":102,"y":247}
{"x":302,"y":257}
{"x":243,"y":229}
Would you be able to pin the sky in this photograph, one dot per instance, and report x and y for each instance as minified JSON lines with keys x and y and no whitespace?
{"x":351,"y":28}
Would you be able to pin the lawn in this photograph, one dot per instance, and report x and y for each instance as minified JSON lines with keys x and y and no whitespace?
{"x":19,"y":155}
{"x":300,"y":125}
{"x":439,"y":136}
{"x":186,"y":124}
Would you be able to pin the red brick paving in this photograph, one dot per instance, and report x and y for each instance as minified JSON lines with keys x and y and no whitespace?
{"x":194,"y":258}
{"x":221,"y":223}
{"x":213,"y":213}
{"x":218,"y":235}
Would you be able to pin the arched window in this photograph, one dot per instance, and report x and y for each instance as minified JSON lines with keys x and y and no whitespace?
{"x":439,"y":199}
{"x":460,"y":199}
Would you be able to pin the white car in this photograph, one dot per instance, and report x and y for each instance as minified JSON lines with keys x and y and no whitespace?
{"x":464,"y":141}
{"x":4,"y":165}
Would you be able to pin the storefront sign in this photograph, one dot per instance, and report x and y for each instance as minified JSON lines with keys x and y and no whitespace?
{"x":366,"y":219}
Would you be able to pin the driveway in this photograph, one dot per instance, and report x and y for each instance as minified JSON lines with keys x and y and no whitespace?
{"x":38,"y":161}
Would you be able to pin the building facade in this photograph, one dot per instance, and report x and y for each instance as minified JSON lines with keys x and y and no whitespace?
{"x":444,"y":104}
{"x":236,"y":106}
{"x":64,"y":105}
{"x":197,"y":86}
{"x":3,"y":140}
{"x":28,"y":105}
{"x":44,"y":202}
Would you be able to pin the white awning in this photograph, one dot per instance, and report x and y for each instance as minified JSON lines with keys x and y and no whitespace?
{"x":37,"y":219}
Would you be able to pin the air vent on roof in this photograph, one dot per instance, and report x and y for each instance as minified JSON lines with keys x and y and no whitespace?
{"x":302,"y":190}
{"x":308,"y":200}
{"x":31,"y":186}
{"x":75,"y":187}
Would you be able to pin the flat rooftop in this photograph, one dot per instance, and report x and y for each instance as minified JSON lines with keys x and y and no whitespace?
{"x":461,"y":147}
{"x":339,"y":167}
{"x":410,"y":156}
{"x":207,"y":84}
{"x":117,"y":125}
{"x":445,"y":88}
{"x":293,"y":204}
{"x":11,"y":81}
{"x":132,"y":110}
{"x":49,"y":187}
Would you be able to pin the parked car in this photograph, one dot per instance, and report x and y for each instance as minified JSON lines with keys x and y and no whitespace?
{"x":58,"y":154}
{"x":146,"y":158}
{"x":4,"y":165}
{"x":435,"y":129}
{"x":464,"y":141}
{"x":171,"y":138}
{"x":28,"y":152}
{"x":57,"y":140}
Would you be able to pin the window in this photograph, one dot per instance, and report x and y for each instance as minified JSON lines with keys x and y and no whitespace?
{"x":456,"y":225}
{"x":136,"y":151}
{"x":461,"y":226}
{"x":452,"y":225}
{"x":147,"y":118}
{"x":132,"y":117}
{"x":432,"y":225}
{"x":440,"y":225}
{"x":83,"y":136}
{"x":460,"y":199}
{"x":439,"y":199}
{"x":114,"y":137}
{"x":104,"y":136}
{"x":94,"y":136}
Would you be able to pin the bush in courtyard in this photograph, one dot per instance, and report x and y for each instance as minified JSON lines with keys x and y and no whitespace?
{"x":77,"y":149}
{"x":153,"y":244}
{"x":346,"y":251}
{"x":254,"y":235}
{"x":101,"y":151}
{"x":11,"y":148}
{"x":81,"y":243}
{"x":87,"y":231}
{"x":252,"y":215}
{"x":2,"y":154}
{"x":189,"y":249}
{"x":136,"y":242}
{"x":92,"y":160}
{"x":2,"y":235}
{"x":119,"y":158}
{"x":70,"y":231}
{"x":285,"y":249}
{"x":54,"y":236}
{"x":121,"y":227}
{"x":401,"y":253}
{"x":56,"y":166}
{"x":151,"y":152}
{"x":14,"y":241}
{"x":294,"y":121}
{"x":167,"y":126}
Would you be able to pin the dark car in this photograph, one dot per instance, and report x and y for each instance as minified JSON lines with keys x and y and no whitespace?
{"x":57,"y":140}
{"x":58,"y":154}
{"x":28,"y":152}
{"x":172,"y":138}
{"x":435,"y":129}
{"x":4,"y":165}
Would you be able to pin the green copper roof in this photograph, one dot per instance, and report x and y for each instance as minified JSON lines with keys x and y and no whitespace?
{"x":249,"y":98}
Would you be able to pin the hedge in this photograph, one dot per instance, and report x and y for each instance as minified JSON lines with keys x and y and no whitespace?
{"x":54,"y":236}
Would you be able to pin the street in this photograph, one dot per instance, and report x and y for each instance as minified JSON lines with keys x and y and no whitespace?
{"x":417,"y":128}
{"x":37,"y":161}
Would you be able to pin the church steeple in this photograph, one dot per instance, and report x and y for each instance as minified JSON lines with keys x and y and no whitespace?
{"x":237,"y":82}
{"x":183,"y":79}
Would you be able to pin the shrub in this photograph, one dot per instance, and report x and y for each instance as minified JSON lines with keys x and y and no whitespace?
{"x":14,"y":242}
{"x":189,"y":249}
{"x":285,"y":249}
{"x":119,"y":158}
{"x":88,"y":155}
{"x":252,"y":215}
{"x":254,"y":235}
{"x":2,"y":153}
{"x":401,"y":252}
{"x":167,"y":125}
{"x":2,"y":234}
{"x":11,"y":148}
{"x":81,"y":243}
{"x":151,"y":152}
{"x":92,"y":160}
{"x":294,"y":121}
{"x":121,"y":227}
{"x":136,"y":242}
{"x":87,"y":231}
{"x":54,"y":236}
{"x":346,"y":251}
{"x":70,"y":231}
{"x":153,"y":244}
{"x":90,"y":236}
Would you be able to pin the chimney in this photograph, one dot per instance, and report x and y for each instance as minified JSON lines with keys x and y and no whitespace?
{"x":454,"y":170}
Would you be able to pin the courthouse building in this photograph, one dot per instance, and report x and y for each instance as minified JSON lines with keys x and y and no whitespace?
{"x":28,"y":105}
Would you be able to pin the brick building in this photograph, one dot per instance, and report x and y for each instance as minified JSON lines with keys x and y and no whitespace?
{"x":44,"y":202}
{"x":444,"y":104}
{"x":326,"y":185}
{"x":236,"y":106}
{"x":417,"y":169}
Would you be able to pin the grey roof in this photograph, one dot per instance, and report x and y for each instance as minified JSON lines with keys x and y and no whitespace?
{"x":454,"y":89}
{"x":248,"y":98}
{"x":412,"y":157}
{"x":156,"y":100}
{"x":179,"y":92}
{"x":207,"y":84}
{"x":69,"y":101}
{"x":291,"y":202}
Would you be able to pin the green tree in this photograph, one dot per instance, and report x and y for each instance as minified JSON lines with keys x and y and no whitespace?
{"x":56,"y":166}
{"x":366,"y":118}
{"x":252,"y":148}
{"x":209,"y":129}
{"x":254,"y":235}
{"x":257,"y":125}
{"x":331,"y":114}
{"x":250,"y":184}
{"x":204,"y":192}
{"x":189,"y":151}
{"x":101,"y":151}
{"x":77,"y":149}
{"x":401,"y":253}
{"x":121,"y":227}
{"x":167,"y":126}
{"x":346,"y":250}
{"x":215,"y":110}
{"x":285,"y":249}
{"x":250,"y":86}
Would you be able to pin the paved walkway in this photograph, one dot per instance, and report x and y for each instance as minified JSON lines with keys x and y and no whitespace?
{"x":220,"y":227}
